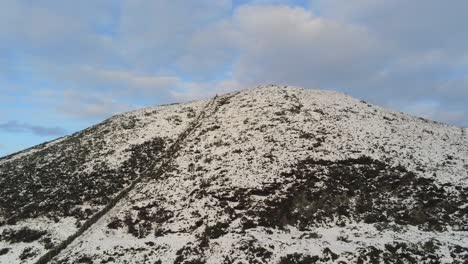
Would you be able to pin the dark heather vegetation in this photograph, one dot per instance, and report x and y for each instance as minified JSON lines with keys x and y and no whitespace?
{"x":393,"y":253}
{"x":324,"y":192}
{"x":366,"y":190}
{"x":350,"y":190}
{"x":27,"y":253}
{"x":24,"y":234}
{"x":4,"y":251}
{"x":35,"y":185}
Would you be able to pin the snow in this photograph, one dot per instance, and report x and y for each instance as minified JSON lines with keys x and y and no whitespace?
{"x":245,"y":144}
{"x":58,"y":231}
{"x":30,"y":151}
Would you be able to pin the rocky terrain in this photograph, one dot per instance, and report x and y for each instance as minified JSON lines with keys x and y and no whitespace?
{"x":267,"y":175}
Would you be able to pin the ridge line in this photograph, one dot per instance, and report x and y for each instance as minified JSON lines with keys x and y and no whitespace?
{"x":164,"y":161}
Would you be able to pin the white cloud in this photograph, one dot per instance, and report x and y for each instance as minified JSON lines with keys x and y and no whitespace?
{"x":454,"y":91}
{"x":17,"y":127}
{"x":374,"y":49}
{"x":378,"y":50}
{"x":55,"y":31}
{"x":291,"y":45}
{"x":433,"y":110}
{"x":93,"y":106}
{"x":411,"y":25}
{"x":281,"y":44}
{"x":135,"y":81}
{"x":210,"y":50}
{"x":154,"y":33}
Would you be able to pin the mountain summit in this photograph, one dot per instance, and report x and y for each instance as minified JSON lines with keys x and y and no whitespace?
{"x":268,"y":175}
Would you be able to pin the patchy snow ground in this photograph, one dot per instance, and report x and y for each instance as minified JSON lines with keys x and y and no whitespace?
{"x":52,"y":183}
{"x":280,"y":175}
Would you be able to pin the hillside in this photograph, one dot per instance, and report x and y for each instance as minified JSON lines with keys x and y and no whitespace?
{"x":267,"y":175}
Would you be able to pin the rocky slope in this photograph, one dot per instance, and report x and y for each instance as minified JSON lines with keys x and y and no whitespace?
{"x":268,"y":175}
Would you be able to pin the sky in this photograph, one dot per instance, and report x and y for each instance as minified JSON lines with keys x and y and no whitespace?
{"x":66,"y":65}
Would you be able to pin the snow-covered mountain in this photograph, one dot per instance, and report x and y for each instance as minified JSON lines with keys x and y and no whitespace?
{"x":267,"y":175}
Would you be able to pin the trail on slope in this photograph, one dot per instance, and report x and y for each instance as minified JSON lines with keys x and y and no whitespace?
{"x":150,"y":171}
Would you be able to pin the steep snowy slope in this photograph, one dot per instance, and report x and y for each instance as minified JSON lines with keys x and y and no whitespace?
{"x":268,"y":175}
{"x":49,"y":191}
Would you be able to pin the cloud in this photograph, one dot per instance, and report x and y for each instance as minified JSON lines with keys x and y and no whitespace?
{"x":60,"y":32}
{"x":17,"y":127}
{"x":154,"y":33}
{"x":454,"y":90}
{"x":416,"y":24}
{"x":287,"y":45}
{"x":383,"y":51}
{"x":102,"y":58}
{"x":433,"y":110}
{"x":96,"y":106}
{"x":133,"y":81}
{"x":293,"y":46}
{"x":423,"y":36}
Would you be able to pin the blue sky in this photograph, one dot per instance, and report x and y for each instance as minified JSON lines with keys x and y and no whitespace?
{"x":65,"y":65}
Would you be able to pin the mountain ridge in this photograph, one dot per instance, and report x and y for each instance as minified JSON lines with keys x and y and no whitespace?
{"x":177,"y":103}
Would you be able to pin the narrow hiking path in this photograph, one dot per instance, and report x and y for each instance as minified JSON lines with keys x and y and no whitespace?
{"x":154,"y":170}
